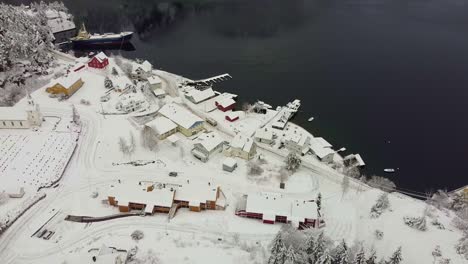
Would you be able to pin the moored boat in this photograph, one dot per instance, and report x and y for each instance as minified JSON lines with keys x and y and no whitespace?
{"x":86,"y":39}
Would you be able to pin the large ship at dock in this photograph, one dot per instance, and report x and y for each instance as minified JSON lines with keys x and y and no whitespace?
{"x":86,"y":39}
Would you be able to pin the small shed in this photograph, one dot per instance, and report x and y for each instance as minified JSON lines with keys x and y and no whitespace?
{"x":229,"y":164}
{"x":232,"y":116}
{"x":99,"y":61}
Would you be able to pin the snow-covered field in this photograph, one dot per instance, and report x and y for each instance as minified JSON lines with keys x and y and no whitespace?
{"x":217,"y":236}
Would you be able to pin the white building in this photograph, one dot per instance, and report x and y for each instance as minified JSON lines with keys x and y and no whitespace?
{"x":130,"y":102}
{"x":141,"y":71}
{"x":197,"y":96}
{"x":297,"y":142}
{"x":155,"y":82}
{"x":207,"y":144}
{"x":243,"y":147}
{"x":61,"y":24}
{"x":322,"y":149}
{"x":187,"y":123}
{"x":16,"y":117}
{"x":162,"y":126}
{"x":264,"y":135}
{"x":354,"y":160}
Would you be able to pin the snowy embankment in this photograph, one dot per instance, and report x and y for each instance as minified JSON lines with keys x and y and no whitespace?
{"x":11,"y":216}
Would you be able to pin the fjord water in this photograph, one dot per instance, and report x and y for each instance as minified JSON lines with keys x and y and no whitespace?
{"x":369,"y":71}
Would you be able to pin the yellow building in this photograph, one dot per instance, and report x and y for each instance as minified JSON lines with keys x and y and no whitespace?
{"x":66,"y":85}
{"x":187,"y":123}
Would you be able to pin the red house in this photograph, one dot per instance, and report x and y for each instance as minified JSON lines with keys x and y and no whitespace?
{"x":232,"y":116}
{"x":275,"y":208}
{"x":225,"y":104}
{"x":99,"y":61}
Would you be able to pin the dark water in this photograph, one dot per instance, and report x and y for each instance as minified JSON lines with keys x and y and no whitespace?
{"x":369,"y":71}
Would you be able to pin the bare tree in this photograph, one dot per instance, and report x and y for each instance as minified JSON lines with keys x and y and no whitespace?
{"x":127,"y":68}
{"x":123,"y":146}
{"x":149,"y":139}
{"x":137,"y":235}
{"x":254,"y":168}
{"x":3,"y":197}
{"x":75,"y":116}
{"x":132,"y":144}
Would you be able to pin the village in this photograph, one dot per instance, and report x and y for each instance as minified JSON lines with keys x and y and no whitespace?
{"x":111,"y":144}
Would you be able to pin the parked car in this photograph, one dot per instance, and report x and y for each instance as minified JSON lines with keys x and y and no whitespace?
{"x":173,"y":174}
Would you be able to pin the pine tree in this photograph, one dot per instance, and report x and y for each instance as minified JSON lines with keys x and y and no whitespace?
{"x":278,"y":251}
{"x":319,"y":202}
{"x":114,"y":72}
{"x":342,"y":254}
{"x":372,"y":258}
{"x":360,"y":257}
{"x":396,"y":258}
{"x":319,"y":247}
{"x":436,"y":253}
{"x":325,"y":258}
{"x":291,"y":257}
{"x":108,"y":83}
{"x":309,"y":247}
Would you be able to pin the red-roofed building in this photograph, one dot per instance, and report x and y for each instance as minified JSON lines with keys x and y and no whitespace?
{"x":225,"y":104}
{"x":232,"y":116}
{"x":99,"y":61}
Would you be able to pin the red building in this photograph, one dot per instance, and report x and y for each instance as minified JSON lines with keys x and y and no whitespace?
{"x":232,"y":116}
{"x":275,"y":208}
{"x":99,"y":61}
{"x":225,"y":104}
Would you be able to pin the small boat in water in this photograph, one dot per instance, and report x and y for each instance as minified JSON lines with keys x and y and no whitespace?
{"x":389,"y":170}
{"x":310,"y":119}
{"x":85,"y":39}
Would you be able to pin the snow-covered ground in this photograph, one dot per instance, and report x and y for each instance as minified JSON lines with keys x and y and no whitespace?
{"x":217,"y":236}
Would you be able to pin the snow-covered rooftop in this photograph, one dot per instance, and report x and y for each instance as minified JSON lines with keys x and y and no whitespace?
{"x":179,"y":115}
{"x":12,"y":113}
{"x":196,"y":193}
{"x":276,"y":204}
{"x":159,"y":92}
{"x":200,"y":95}
{"x":232,"y":115}
{"x":161,"y":125}
{"x":68,"y":80}
{"x":230,"y":162}
{"x":135,"y":193}
{"x":101,"y":57}
{"x":59,"y":21}
{"x":146,"y":66}
{"x":130,"y":98}
{"x":321,"y":147}
{"x":209,"y":140}
{"x":225,"y":102}
{"x":154,"y":80}
{"x":264,"y":133}
{"x":242,"y":142}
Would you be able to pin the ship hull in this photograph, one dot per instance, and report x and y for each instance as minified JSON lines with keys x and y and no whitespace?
{"x":103,"y":41}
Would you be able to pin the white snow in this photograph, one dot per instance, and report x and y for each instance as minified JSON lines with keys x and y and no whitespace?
{"x":132,"y":192}
{"x":154,"y":80}
{"x":200,"y":95}
{"x":12,"y":113}
{"x":209,"y":141}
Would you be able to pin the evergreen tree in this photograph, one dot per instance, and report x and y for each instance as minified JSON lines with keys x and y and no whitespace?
{"x":291,"y":257}
{"x":372,"y":258}
{"x":360,"y":257}
{"x":342,"y":254}
{"x":437,"y":253}
{"x":396,"y":258}
{"x":108,"y":83}
{"x":325,"y":258}
{"x":309,"y":247}
{"x":319,"y":202}
{"x":319,"y":247}
{"x":114,"y":71}
{"x":278,"y":251}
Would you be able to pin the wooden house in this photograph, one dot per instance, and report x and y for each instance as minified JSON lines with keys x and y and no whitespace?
{"x":99,"y":61}
{"x":225,"y":104}
{"x":187,"y":123}
{"x":66,"y":85}
{"x":207,"y":144}
{"x":242,"y":146}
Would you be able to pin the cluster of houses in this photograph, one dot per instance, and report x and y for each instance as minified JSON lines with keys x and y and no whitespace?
{"x":152,"y":197}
